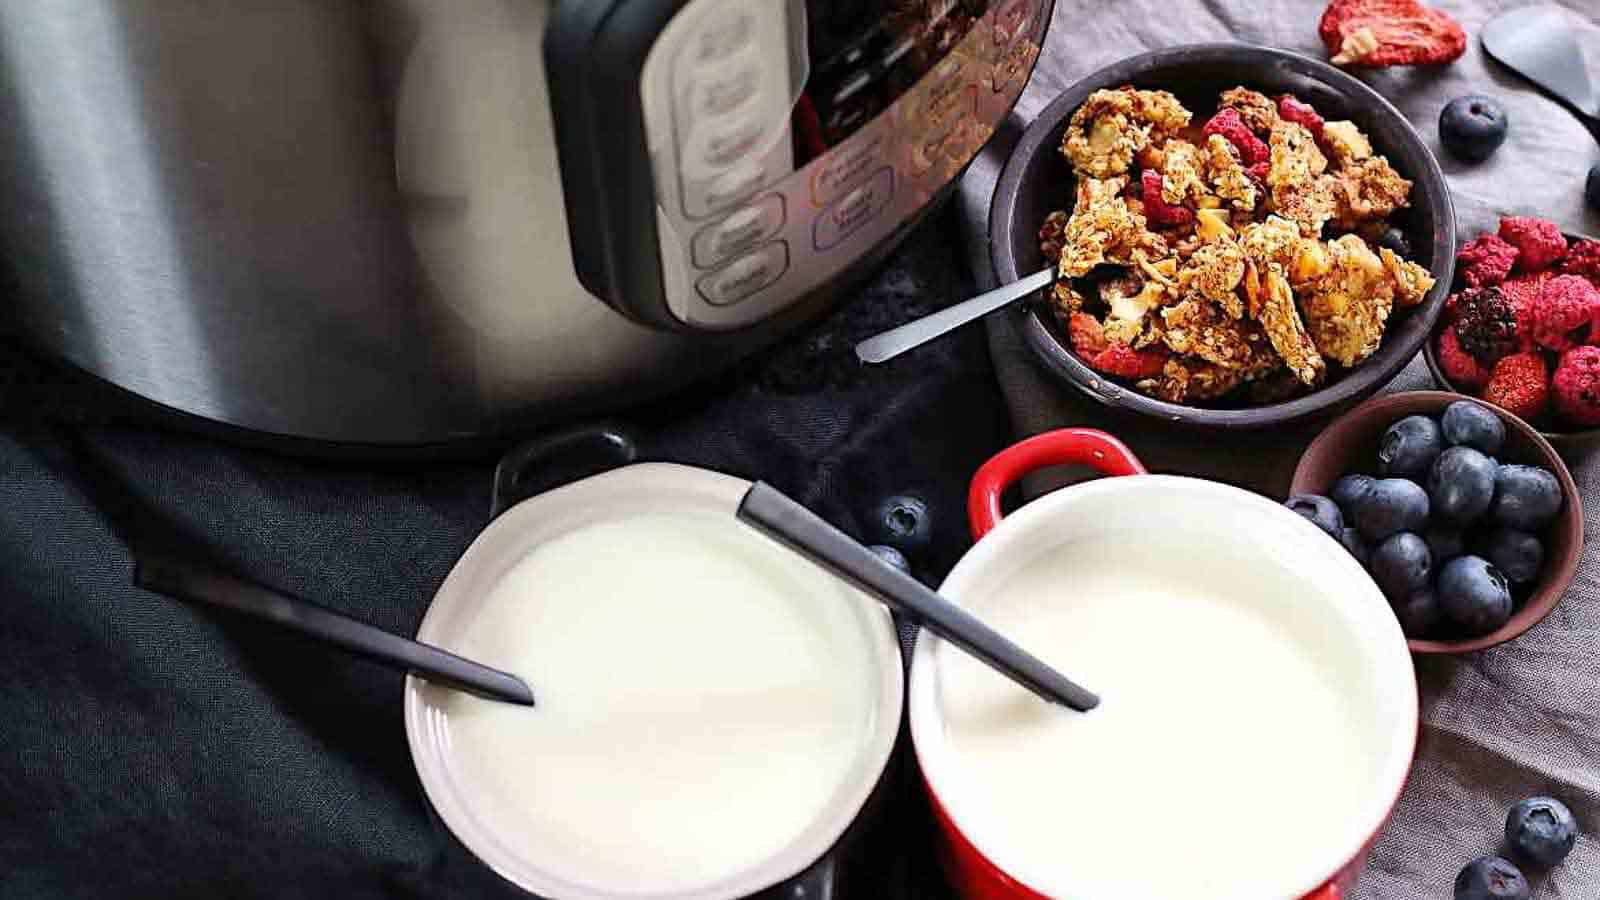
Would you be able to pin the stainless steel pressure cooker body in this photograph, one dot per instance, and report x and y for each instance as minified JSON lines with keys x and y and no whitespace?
{"x":407,"y":221}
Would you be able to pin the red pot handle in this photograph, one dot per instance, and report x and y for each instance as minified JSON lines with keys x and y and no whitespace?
{"x":1066,"y":446}
{"x":1329,"y":891}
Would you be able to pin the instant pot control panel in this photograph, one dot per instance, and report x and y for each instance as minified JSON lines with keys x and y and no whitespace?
{"x":722,"y":159}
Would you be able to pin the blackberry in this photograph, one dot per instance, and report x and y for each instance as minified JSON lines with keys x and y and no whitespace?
{"x":1486,"y":324}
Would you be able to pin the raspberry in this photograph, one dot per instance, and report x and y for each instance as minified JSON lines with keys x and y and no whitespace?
{"x":1088,"y":338}
{"x":1125,"y":362}
{"x":1539,"y":243}
{"x":1485,"y":260}
{"x":1563,"y":311}
{"x":1230,"y":125}
{"x":1292,"y":109}
{"x":1464,"y":372}
{"x":1486,"y":324}
{"x":1583,"y":258}
{"x":1577,"y":386}
{"x":1389,"y":33}
{"x":1523,"y":292}
{"x":1519,"y":384}
{"x":1157,"y":211}
{"x":1258,"y":173}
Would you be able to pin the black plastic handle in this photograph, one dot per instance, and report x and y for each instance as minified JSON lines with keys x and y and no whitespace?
{"x":558,"y":458}
{"x":193,"y":582}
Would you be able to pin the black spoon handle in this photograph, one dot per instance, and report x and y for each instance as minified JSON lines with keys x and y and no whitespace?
{"x":194,"y":583}
{"x":789,"y":523}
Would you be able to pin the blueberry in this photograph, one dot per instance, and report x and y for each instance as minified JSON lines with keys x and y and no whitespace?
{"x":1393,"y":504}
{"x":1351,"y":539}
{"x":1525,"y":497}
{"x":1347,"y":490}
{"x":903,"y":523}
{"x":1409,"y":447}
{"x":1322,"y":512}
{"x":1468,"y":424}
{"x":1516,"y":553}
{"x":1394,"y":240}
{"x":1473,"y":595}
{"x":892,"y":556}
{"x":1491,"y":878}
{"x":1461,"y":486}
{"x":1473,"y":127}
{"x":1401,"y":565}
{"x":1541,"y":830}
{"x":1419,"y":614}
{"x":1444,"y":544}
{"x":1591,"y":188}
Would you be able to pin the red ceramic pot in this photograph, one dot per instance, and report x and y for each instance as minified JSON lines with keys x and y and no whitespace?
{"x":1357,"y":625}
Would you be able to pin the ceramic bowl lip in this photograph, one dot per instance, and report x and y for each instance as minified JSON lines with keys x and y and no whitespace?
{"x":1331,"y":443}
{"x":1041,"y":136}
{"x":1362,"y":607}
{"x":649,"y":487}
{"x":1577,"y":437}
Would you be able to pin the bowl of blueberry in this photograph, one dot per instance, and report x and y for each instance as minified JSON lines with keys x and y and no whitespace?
{"x":1463,"y":514}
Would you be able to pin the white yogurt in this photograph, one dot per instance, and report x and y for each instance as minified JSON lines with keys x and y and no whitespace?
{"x":1228,"y":746}
{"x":702,"y":696}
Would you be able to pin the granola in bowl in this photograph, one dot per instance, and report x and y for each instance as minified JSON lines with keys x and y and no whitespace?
{"x":1225,"y":262}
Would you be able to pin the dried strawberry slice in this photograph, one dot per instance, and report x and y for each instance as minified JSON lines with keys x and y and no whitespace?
{"x":1378,"y":33}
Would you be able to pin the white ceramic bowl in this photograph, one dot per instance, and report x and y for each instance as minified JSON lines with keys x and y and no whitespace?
{"x":629,"y":491}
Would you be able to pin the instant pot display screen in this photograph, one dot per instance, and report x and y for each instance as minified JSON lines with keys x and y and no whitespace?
{"x":866,"y":53}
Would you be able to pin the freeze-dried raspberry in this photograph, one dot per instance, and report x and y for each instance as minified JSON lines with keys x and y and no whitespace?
{"x":1563,"y":311}
{"x":1464,"y":372}
{"x":1583,"y":258}
{"x":1087,"y":335}
{"x":1539,"y":243}
{"x":1389,"y":33}
{"x":1125,"y":362}
{"x":1158,"y":212}
{"x":1293,"y":109}
{"x":1486,"y":260}
{"x":1486,"y":324}
{"x":1520,"y":384}
{"x":1230,"y":125}
{"x":1577,"y":386}
{"x":1522,"y":292}
{"x":1258,"y":174}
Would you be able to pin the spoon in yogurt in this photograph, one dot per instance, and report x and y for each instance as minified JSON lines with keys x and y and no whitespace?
{"x":789,"y":523}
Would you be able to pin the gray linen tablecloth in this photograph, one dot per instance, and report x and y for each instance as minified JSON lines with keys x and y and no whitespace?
{"x":1517,"y":720}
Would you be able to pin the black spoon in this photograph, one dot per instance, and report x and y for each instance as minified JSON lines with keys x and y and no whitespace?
{"x":193,"y":582}
{"x":802,"y":530}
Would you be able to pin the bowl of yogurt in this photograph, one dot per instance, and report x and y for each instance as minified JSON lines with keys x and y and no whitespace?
{"x":713,"y":711}
{"x":1259,"y":707}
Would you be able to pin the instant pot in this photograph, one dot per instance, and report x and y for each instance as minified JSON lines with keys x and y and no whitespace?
{"x":407,"y":221}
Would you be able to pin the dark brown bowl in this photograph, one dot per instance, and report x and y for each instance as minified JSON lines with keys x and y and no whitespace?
{"x":1037,"y":180}
{"x":1350,"y":444}
{"x":1570,"y":437}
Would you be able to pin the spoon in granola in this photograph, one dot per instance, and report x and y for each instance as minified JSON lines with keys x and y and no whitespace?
{"x":886,"y":346}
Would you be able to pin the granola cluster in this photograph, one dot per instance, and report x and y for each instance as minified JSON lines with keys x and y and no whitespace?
{"x":1227,"y":259}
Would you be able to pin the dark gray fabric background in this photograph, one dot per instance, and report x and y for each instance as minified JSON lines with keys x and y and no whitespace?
{"x":1513,"y":721}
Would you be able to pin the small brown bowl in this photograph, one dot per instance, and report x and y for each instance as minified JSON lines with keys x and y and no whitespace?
{"x":1350,"y":444}
{"x":1570,"y":437}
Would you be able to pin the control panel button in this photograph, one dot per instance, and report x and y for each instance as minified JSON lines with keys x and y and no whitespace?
{"x":722,"y":34}
{"x":847,"y":164}
{"x":853,"y":210}
{"x":738,"y":231}
{"x":732,"y":186}
{"x":745,"y":276}
{"x":723,"y":90}
{"x":719,"y":144}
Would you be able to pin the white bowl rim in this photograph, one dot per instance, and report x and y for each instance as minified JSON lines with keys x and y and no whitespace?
{"x":666,"y":486}
{"x":1364,"y":600}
